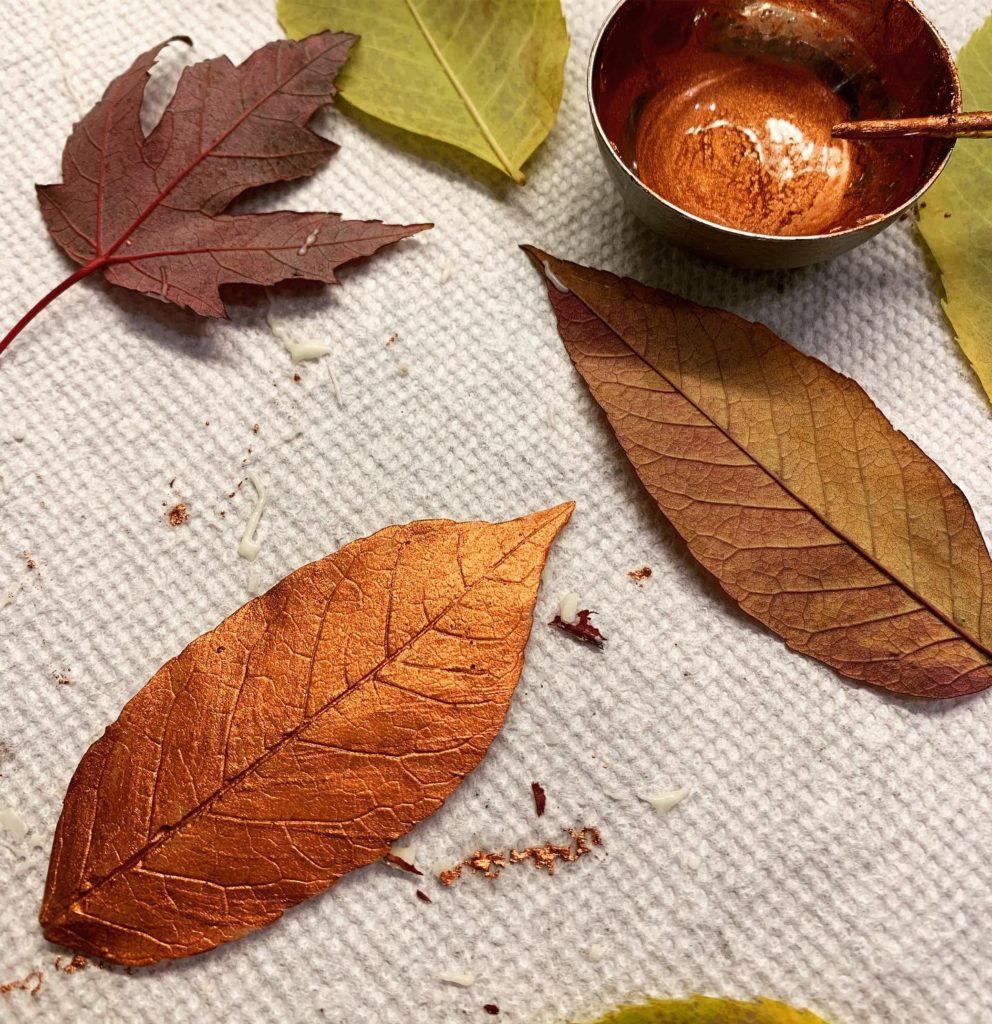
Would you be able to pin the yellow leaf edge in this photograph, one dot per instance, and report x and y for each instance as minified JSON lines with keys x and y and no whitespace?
{"x":699,"y":1009}
{"x":951,"y":218}
{"x":496,"y":157}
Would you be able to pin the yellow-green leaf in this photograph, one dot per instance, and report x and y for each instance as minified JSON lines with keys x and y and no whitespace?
{"x":956,"y":219}
{"x":485,"y":76}
{"x":704,"y":1010}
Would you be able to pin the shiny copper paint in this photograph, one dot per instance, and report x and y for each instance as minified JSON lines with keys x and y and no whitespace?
{"x":825,"y":61}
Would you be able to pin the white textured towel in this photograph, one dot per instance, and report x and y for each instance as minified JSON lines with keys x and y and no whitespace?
{"x":835,"y":851}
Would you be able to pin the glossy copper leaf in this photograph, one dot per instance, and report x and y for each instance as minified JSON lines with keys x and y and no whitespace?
{"x":149,"y":212}
{"x":297,"y":740}
{"x":788,"y":484}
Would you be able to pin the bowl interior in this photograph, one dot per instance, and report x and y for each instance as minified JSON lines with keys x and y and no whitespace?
{"x":882,"y":57}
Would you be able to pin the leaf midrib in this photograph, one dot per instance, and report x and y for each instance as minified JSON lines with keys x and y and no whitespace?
{"x":104,"y":257}
{"x":948,"y":621}
{"x":464,"y":96}
{"x":192,"y":815}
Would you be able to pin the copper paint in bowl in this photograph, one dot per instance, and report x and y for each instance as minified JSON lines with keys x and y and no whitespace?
{"x":715,"y":117}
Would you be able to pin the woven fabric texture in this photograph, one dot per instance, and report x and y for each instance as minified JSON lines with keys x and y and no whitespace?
{"x":834,"y":851}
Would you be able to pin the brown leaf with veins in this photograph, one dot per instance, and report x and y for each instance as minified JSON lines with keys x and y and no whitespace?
{"x":149,"y":211}
{"x":817,"y":517}
{"x":297,"y":740}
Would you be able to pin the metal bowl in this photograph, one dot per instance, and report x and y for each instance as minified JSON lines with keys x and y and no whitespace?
{"x":912,"y":73}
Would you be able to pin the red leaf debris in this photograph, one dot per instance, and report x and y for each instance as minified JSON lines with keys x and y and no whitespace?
{"x":546,"y":856}
{"x":491,"y":1008}
{"x":403,"y":865}
{"x":640,"y":575}
{"x":540,"y":798}
{"x":423,"y":897}
{"x":582,"y":630}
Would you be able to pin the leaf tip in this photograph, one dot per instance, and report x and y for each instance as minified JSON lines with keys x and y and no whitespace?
{"x":555,"y":517}
{"x":561,"y":513}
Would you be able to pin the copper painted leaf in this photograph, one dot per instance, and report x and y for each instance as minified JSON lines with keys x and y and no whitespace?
{"x":149,"y":212}
{"x":788,"y":484}
{"x":297,"y":740}
{"x":704,"y":1010}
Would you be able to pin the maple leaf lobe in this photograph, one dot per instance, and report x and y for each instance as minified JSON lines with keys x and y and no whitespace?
{"x":150,"y":211}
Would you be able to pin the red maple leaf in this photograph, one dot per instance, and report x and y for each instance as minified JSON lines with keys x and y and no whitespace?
{"x":149,"y":210}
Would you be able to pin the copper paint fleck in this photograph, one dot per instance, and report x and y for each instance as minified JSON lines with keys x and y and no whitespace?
{"x":30,"y":983}
{"x":544,"y":857}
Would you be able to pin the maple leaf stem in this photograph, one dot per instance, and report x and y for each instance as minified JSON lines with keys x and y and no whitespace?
{"x":78,"y":275}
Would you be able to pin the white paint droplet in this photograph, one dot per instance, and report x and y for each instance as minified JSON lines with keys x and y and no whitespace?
{"x":249,"y":546}
{"x":693,"y":861}
{"x":307,"y":242}
{"x":596,"y":952}
{"x":462,"y":978}
{"x":568,"y":608}
{"x":254,"y":582}
{"x":666,"y":799}
{"x":304,"y":351}
{"x":12,"y":824}
{"x":20,"y":434}
{"x":299,"y":351}
{"x":556,"y":283}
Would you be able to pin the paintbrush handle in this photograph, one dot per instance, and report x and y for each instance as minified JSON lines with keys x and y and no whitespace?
{"x":941,"y":126}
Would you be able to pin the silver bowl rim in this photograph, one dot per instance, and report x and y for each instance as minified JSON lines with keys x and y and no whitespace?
{"x":879,"y":221}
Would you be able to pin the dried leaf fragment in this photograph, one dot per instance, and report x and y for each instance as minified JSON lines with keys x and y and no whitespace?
{"x":297,"y":740}
{"x":788,"y":484}
{"x":540,"y":798}
{"x":582,"y":629}
{"x":403,"y":865}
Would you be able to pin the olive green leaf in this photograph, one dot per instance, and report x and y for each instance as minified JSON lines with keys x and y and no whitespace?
{"x":485,"y":76}
{"x":703,"y":1010}
{"x":956,"y":219}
